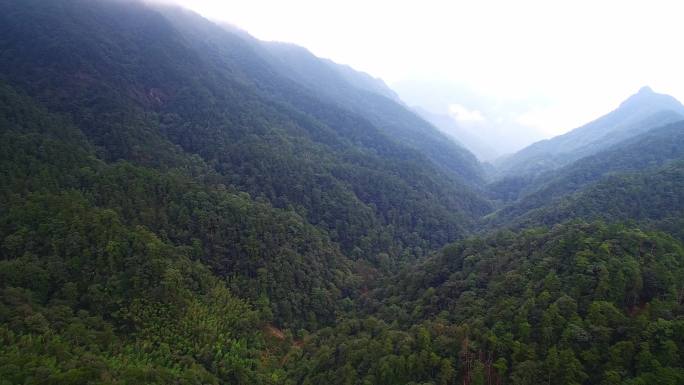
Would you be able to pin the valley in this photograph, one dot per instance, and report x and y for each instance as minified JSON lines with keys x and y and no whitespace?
{"x":183,"y":203}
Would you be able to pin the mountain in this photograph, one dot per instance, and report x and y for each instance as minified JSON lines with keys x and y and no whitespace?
{"x":173,"y":197}
{"x":357,"y":79}
{"x":581,"y":303}
{"x":646,"y":153}
{"x":639,"y":113}
{"x":185,"y":204}
{"x":113,"y":270}
{"x":356,"y":91}
{"x":365,"y":96}
{"x":653,"y":198}
{"x":146,"y":83}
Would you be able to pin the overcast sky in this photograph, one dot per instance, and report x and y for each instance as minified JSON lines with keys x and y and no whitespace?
{"x":566,"y":62}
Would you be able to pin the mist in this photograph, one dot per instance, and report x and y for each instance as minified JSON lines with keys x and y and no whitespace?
{"x":533,"y":69}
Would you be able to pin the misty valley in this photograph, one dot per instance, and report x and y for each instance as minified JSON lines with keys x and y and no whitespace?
{"x":183,"y":203}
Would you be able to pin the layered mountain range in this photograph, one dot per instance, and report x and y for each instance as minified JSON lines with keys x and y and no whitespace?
{"x":638,"y":114}
{"x":183,"y":203}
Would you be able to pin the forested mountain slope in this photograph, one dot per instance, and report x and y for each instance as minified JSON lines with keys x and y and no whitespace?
{"x":654,"y":148}
{"x":329,"y":82}
{"x":637,"y":114}
{"x":341,"y":86}
{"x":577,"y":304}
{"x":265,"y":252}
{"x":393,"y":118}
{"x":181,"y":203}
{"x":654,"y":198}
{"x":105,"y":268}
{"x":144,"y":84}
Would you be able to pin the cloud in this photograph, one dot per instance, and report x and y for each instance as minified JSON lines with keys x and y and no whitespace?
{"x":462,"y":114}
{"x":557,"y":119}
{"x":542,"y":119}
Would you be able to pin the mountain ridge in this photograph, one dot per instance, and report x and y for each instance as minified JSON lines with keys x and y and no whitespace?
{"x":218,"y":99}
{"x":184,"y":204}
{"x":632,"y":116}
{"x":652,"y":149}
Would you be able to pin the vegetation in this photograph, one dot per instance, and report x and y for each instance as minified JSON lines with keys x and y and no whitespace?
{"x":153,"y":87}
{"x":652,"y":198}
{"x":580,"y":303}
{"x":645,"y":154}
{"x":184,"y":204}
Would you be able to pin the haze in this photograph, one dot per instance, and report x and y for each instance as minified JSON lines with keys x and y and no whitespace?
{"x":513,"y":72}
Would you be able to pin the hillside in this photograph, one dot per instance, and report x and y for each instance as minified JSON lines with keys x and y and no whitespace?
{"x":578,"y":304}
{"x":653,"y":198}
{"x":185,"y":204}
{"x":655,"y":148}
{"x":127,"y":272}
{"x":144,"y":84}
{"x":334,"y":84}
{"x":49,"y":169}
{"x":639,"y":113}
{"x":350,"y":89}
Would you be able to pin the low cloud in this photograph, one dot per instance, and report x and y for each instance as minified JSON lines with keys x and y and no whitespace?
{"x":462,"y":114}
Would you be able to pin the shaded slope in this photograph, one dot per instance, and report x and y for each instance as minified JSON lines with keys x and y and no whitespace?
{"x":144,"y":86}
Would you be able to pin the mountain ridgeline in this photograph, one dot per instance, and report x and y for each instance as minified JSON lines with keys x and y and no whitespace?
{"x":146,"y":85}
{"x":639,"y":113}
{"x":183,"y":203}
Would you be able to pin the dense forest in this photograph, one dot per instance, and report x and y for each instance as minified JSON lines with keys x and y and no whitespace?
{"x":185,"y":204}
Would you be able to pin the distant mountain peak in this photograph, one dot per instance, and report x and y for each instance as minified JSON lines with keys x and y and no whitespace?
{"x":639,"y":113}
{"x":649,"y":99}
{"x":646,"y":90}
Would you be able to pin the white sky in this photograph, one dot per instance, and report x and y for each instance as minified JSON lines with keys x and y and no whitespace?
{"x":577,"y":59}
